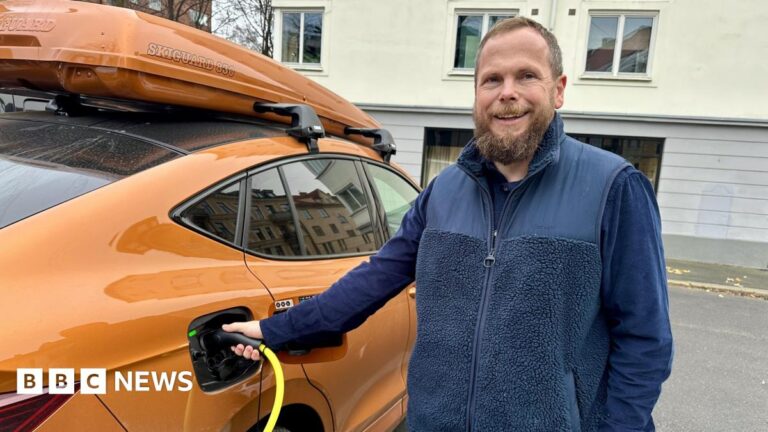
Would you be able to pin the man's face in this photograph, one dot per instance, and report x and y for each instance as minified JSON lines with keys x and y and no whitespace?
{"x":515,"y":96}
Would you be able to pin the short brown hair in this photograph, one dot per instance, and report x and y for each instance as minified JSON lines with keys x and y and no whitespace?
{"x":518,"y":22}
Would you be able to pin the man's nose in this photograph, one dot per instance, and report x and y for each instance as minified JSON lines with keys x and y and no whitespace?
{"x":509,"y":90}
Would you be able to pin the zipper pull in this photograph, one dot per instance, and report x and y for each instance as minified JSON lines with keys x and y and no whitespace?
{"x":490,"y":259}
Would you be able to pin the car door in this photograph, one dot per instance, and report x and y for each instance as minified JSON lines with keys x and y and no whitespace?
{"x":312,"y":220}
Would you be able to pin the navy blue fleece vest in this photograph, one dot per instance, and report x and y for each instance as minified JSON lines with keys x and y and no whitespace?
{"x":510,"y":334}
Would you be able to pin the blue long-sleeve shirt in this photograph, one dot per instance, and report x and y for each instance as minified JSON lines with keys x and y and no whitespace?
{"x":633,"y":294}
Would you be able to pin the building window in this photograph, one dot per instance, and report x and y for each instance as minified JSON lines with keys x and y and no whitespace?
{"x":353,"y":198}
{"x":620,"y":44}
{"x":323,"y":213}
{"x":342,"y":219}
{"x":302,"y":37}
{"x":334,"y":229}
{"x":441,"y":148}
{"x":305,"y":214}
{"x":155,"y":5}
{"x":470,"y":29}
{"x":318,"y":230}
{"x":643,"y":153}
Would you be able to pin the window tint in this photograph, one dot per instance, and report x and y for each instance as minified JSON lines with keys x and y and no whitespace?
{"x":216,"y":213}
{"x":43,"y":165}
{"x":330,"y":191}
{"x":396,"y":195}
{"x":271,"y":228}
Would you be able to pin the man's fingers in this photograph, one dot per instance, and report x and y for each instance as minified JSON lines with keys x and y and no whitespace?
{"x":248,"y":352}
{"x":233,"y":327}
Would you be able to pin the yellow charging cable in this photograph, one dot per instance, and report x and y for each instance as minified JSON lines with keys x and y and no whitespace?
{"x":279,"y":386}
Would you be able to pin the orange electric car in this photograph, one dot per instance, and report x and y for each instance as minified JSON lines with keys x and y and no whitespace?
{"x":175,"y":182}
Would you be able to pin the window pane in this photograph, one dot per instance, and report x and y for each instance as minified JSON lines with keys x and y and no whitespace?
{"x":602,"y":40}
{"x":268,"y":199}
{"x":635,"y":44}
{"x":214,"y":215}
{"x":442,"y":148}
{"x":332,"y":187}
{"x":468,"y":37}
{"x":397,"y":195}
{"x":643,"y":153}
{"x":493,"y":19}
{"x":313,"y":30}
{"x":291,"y":33}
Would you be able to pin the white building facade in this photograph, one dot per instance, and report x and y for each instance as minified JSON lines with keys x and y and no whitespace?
{"x":677,"y":87}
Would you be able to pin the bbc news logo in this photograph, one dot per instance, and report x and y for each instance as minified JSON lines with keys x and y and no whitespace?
{"x":94,"y":381}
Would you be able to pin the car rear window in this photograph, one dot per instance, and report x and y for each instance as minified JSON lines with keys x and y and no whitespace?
{"x":45,"y":164}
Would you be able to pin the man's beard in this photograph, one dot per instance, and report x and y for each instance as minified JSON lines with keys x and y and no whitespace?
{"x":508,"y":149}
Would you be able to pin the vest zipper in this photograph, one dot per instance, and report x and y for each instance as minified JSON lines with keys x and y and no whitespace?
{"x":488,"y":263}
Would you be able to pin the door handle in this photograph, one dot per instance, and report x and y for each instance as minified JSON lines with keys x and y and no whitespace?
{"x":412,"y":292}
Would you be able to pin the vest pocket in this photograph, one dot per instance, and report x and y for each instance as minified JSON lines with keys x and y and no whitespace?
{"x":573,"y":406}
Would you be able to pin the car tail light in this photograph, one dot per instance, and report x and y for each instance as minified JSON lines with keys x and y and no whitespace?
{"x":23,"y":413}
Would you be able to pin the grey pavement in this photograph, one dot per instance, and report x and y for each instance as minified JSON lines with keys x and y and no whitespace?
{"x":741,"y":280}
{"x":719,"y":378}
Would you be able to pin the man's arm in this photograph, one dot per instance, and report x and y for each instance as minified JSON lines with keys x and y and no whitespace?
{"x":354,"y":297}
{"x":635,"y":302}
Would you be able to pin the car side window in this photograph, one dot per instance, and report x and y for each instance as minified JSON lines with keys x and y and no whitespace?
{"x":332,"y":207}
{"x":271,"y":227}
{"x":396,"y":195}
{"x":216,"y":213}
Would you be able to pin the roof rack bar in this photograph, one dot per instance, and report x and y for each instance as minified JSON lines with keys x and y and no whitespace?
{"x":382,"y":140}
{"x":305,"y":125}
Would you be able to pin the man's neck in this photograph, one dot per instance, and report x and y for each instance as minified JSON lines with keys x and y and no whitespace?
{"x":514,"y":171}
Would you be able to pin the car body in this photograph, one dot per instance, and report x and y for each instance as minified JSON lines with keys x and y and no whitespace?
{"x":123,"y":221}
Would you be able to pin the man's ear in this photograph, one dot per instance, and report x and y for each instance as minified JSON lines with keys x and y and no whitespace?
{"x":560,"y":91}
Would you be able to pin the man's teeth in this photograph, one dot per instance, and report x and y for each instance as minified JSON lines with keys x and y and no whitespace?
{"x":509,"y":117}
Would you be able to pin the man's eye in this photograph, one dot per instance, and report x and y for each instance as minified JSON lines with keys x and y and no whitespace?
{"x":529,"y":76}
{"x":491,"y":80}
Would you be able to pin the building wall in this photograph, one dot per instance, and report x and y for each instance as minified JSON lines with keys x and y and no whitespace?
{"x":399,"y":52}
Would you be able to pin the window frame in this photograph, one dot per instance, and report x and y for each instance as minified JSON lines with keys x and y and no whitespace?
{"x":375,"y":209}
{"x":614,"y":74}
{"x":278,"y":43}
{"x":454,"y":28}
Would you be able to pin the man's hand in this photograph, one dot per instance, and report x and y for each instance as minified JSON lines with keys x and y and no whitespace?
{"x":250,"y":329}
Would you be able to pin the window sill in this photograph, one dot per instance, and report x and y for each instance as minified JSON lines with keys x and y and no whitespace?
{"x":635,"y":78}
{"x":304,"y":68}
{"x":617,"y":81}
{"x":460,"y":75}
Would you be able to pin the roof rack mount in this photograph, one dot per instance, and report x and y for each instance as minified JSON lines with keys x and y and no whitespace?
{"x":305,"y":125}
{"x":383,"y":142}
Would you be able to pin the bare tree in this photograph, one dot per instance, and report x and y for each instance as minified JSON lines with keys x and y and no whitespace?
{"x":246,"y":22}
{"x":195,"y":10}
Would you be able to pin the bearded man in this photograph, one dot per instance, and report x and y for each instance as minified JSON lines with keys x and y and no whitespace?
{"x":542,"y":301}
